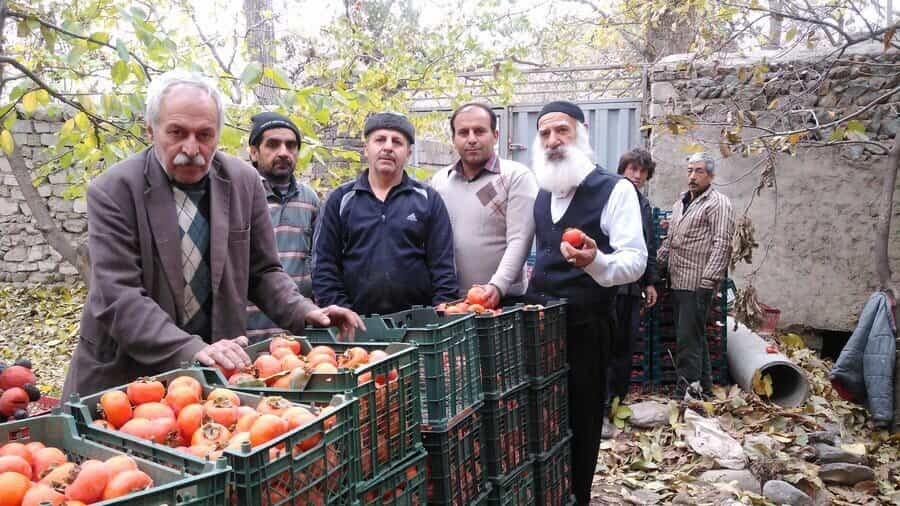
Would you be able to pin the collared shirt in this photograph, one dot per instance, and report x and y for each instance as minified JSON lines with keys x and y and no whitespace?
{"x":492,"y":166}
{"x":698,"y":247}
{"x":294,"y":213}
{"x":621,"y":221}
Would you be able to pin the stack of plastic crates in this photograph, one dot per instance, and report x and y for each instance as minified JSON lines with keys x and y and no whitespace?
{"x":664,"y":349}
{"x":549,"y":436}
{"x":504,"y":414}
{"x":642,"y":350}
{"x":325,"y":473}
{"x":390,"y":442}
{"x":452,"y":395}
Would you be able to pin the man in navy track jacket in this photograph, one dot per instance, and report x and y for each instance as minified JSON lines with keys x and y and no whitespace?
{"x":384,"y":241}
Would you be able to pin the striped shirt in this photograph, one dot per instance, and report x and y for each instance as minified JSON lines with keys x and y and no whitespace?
{"x":698,"y":247}
{"x":293,"y":216}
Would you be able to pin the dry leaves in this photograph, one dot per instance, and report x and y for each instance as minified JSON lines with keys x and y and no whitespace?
{"x":658,"y":464}
{"x":42,"y":324}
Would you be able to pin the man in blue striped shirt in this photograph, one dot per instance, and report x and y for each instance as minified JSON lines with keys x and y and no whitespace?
{"x":293,"y":206}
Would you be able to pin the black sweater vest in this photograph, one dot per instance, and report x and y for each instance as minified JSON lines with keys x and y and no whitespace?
{"x":553,"y":277}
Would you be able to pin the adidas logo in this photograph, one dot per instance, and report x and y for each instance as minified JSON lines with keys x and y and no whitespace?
{"x":412,"y":217}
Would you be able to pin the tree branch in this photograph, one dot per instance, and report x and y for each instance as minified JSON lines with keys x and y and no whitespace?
{"x":147,"y":68}
{"x":883,"y":226}
{"x":97,"y":120}
{"x":43,"y":219}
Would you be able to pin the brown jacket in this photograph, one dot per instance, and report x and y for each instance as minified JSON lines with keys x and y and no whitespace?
{"x":128,"y":327}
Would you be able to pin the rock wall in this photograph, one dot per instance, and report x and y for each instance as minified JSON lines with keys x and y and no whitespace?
{"x":815,"y":224}
{"x":24,"y":254}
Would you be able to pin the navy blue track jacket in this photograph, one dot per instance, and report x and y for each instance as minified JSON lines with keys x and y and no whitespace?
{"x":383,"y":257}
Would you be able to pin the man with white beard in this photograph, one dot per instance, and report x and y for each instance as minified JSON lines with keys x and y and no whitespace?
{"x":577,"y":193}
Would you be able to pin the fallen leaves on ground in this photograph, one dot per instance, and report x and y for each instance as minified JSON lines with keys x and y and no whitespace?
{"x":657,"y":466}
{"x":41,"y":324}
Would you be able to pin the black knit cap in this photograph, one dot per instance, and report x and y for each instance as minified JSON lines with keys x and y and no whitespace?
{"x":390,"y":121}
{"x":564,"y":107}
{"x":266,"y":120}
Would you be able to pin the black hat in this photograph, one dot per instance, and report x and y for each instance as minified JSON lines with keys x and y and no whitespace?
{"x":266,"y":120}
{"x":564,"y":107}
{"x":391,"y":121}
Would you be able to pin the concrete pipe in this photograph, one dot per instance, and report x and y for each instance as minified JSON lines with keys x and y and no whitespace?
{"x":747,"y":354}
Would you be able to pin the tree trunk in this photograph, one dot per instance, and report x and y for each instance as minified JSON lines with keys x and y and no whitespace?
{"x":261,"y":45}
{"x":43,"y":220}
{"x":775,"y":24}
{"x":672,"y":33}
{"x":882,"y":259}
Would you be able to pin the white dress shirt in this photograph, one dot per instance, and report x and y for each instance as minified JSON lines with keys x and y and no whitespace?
{"x":621,"y":221}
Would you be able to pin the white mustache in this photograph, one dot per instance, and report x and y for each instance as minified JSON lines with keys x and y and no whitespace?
{"x":183,"y":159}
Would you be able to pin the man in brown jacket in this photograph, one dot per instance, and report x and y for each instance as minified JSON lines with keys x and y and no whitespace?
{"x":696,"y":253}
{"x":179,"y":237}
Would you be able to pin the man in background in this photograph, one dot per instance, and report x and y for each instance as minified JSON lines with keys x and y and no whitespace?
{"x":696,"y":253}
{"x":293,"y":207}
{"x":490,"y":201}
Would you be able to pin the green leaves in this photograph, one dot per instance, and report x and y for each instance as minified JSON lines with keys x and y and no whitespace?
{"x":120,"y":71}
{"x":6,"y":142}
{"x":618,"y":413}
{"x":856,"y":131}
{"x":82,"y":121}
{"x":252,"y":74}
{"x":30,"y":102}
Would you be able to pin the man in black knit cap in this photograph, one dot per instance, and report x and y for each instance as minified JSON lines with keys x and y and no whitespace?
{"x":577,"y":193}
{"x":293,"y":207}
{"x":384,"y":242}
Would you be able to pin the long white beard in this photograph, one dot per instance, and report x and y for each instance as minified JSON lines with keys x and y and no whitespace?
{"x":561,"y":176}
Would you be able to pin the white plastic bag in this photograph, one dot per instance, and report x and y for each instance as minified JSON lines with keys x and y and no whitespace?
{"x":705,"y":437}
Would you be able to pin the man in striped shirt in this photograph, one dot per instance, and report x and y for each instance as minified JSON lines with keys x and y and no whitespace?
{"x":696,"y":254}
{"x":293,"y":207}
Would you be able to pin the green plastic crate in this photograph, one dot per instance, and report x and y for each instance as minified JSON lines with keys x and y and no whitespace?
{"x":514,"y":489}
{"x":170,"y":486}
{"x":548,"y":412}
{"x":501,"y":351}
{"x":404,"y":484}
{"x":506,"y":427}
{"x":449,"y":367}
{"x":323,"y":474}
{"x":553,"y":475}
{"x":544,"y":337}
{"x":379,"y":329}
{"x":393,"y":406}
{"x":455,"y":463}
{"x":485,"y":496}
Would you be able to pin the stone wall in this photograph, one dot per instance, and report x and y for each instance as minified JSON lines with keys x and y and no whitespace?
{"x":24,"y":254}
{"x":815,"y":225}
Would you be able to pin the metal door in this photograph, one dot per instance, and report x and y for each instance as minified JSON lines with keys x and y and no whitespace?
{"x":614,"y":127}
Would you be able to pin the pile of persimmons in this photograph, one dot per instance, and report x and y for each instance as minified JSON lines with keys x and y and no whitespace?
{"x":32,"y":474}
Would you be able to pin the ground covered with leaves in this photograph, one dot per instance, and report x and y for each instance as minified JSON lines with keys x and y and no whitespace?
{"x":41,"y":324}
{"x":806,"y":447}
{"x":658,"y":463}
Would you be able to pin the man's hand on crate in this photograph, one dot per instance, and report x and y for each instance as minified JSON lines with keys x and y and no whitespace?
{"x":228,"y":353}
{"x":346,"y":320}
{"x":491,"y":296}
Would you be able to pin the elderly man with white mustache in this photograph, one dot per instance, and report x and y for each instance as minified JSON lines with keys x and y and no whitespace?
{"x":577,"y":193}
{"x":180,"y":237}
